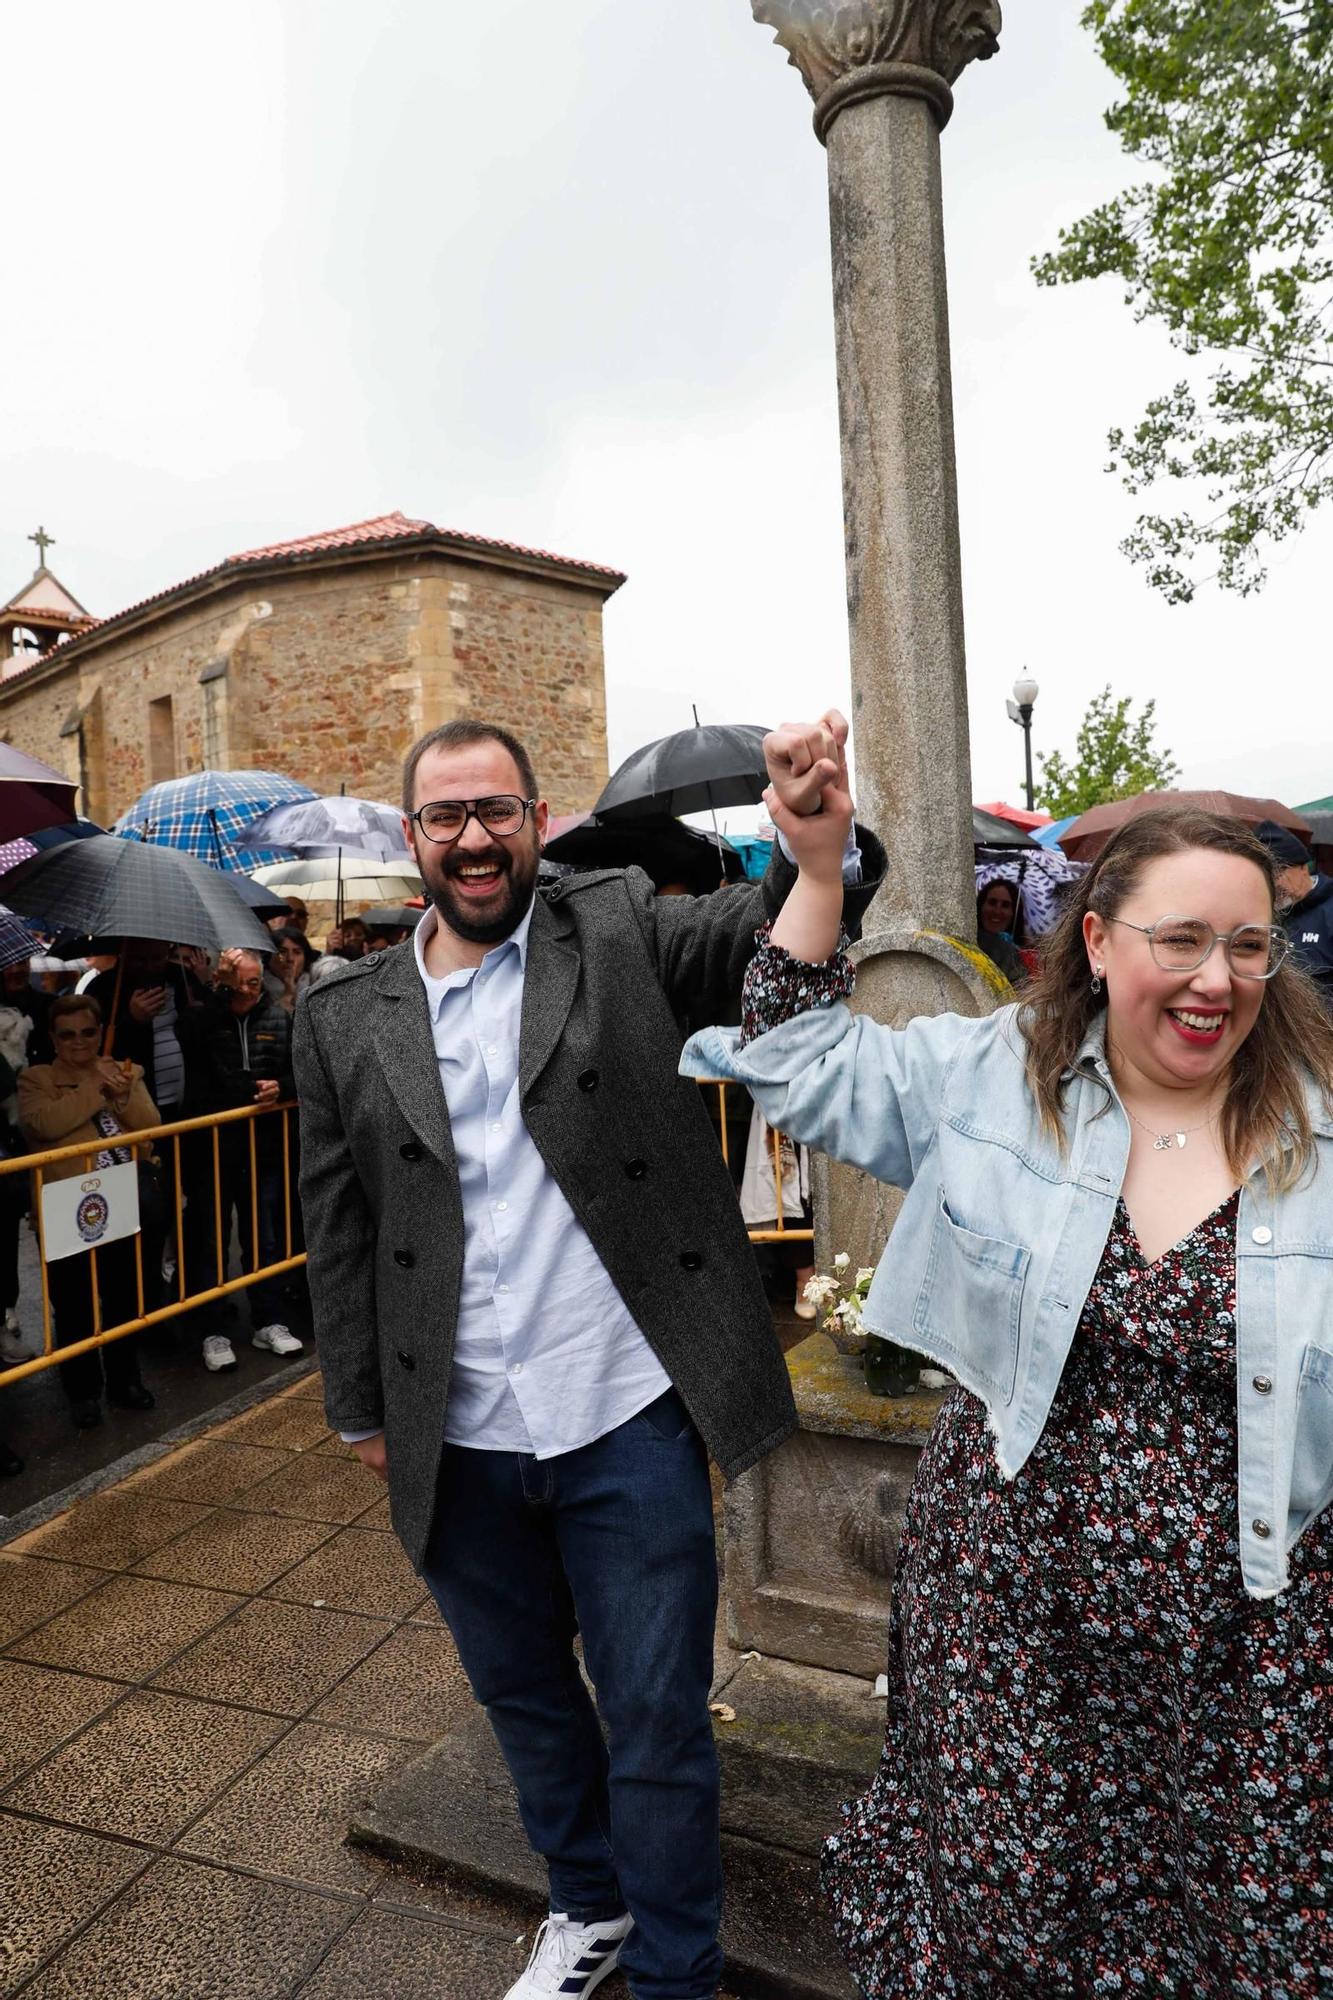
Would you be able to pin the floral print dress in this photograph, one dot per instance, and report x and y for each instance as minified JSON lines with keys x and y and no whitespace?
{"x":1107,"y":1769}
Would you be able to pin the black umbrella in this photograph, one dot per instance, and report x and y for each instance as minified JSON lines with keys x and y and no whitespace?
{"x":665,"y":849}
{"x":989,"y":830}
{"x":696,"y":770}
{"x":126,"y":889}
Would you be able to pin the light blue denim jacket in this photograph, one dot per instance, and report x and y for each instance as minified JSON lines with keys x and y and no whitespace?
{"x":991,"y":1260}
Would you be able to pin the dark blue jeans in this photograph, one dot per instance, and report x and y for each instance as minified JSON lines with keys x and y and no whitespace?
{"x":613,"y":1542}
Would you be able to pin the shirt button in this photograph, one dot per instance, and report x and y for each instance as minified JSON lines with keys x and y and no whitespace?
{"x":1263,"y":1385}
{"x":517,"y":1368}
{"x":491,"y":1049}
{"x":502,"y":1288}
{"x":497,"y":1126}
{"x":1263,"y":1234}
{"x":501,"y":1206}
{"x":588,"y":1079}
{"x":1261,"y":1529}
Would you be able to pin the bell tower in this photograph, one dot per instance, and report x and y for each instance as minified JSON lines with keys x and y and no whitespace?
{"x":38,"y":616}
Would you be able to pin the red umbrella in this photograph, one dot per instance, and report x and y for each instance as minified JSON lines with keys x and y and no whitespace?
{"x":1086,"y":838}
{"x":32,"y":795}
{"x":1017,"y":815}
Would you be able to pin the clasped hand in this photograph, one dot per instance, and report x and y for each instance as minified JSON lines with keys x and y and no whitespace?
{"x":808,"y":796}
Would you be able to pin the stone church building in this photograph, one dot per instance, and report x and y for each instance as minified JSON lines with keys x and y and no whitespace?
{"x":323,"y":658}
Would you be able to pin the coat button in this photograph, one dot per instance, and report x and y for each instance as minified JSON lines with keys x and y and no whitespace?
{"x":1261,"y":1529}
{"x":588,"y":1079}
{"x":405,"y":1258}
{"x":409,"y":1361}
{"x":636,"y":1169}
{"x":1263,"y":1234}
{"x":690,"y":1260}
{"x":1263,"y":1385}
{"x":412,"y":1151}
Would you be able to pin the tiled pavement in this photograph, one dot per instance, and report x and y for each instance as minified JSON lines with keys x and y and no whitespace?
{"x":200,"y":1669}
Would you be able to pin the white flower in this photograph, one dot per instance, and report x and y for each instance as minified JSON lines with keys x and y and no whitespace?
{"x":841,"y":1261}
{"x":821,"y":1290}
{"x":862,"y":1280}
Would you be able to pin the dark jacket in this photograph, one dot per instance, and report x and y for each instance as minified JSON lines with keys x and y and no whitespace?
{"x":611,"y":970}
{"x":133,"y":1040}
{"x":1309,"y":925}
{"x":227,"y":1054}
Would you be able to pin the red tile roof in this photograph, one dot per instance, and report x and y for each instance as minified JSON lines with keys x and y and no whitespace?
{"x":380,"y":528}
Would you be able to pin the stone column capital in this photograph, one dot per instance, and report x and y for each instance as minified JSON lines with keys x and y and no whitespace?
{"x":849,"y":50}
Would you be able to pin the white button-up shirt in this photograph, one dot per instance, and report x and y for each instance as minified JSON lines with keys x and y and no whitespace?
{"x":547,"y":1355}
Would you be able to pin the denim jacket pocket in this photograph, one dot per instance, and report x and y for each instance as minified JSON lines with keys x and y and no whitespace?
{"x":970,"y":1300}
{"x":1312,"y":1458}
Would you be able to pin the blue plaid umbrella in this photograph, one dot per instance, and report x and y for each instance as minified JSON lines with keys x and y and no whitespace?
{"x":202,"y":815}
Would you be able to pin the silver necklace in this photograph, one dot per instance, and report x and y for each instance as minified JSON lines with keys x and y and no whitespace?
{"x":1162,"y":1142}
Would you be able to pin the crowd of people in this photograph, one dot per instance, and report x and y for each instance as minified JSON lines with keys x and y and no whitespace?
{"x":124,"y":1041}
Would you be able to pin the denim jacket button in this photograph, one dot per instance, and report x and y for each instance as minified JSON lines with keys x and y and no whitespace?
{"x":1263,"y":1385}
{"x":1263,"y":1234}
{"x":1261,"y":1529}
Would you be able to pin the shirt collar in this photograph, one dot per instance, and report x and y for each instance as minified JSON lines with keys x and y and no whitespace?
{"x":436,"y":989}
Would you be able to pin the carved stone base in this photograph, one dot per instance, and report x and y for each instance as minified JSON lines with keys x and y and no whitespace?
{"x":812,"y":1531}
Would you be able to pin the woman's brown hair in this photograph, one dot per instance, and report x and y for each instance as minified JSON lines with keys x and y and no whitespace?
{"x":1266,"y":1116}
{"x":73,"y":1003}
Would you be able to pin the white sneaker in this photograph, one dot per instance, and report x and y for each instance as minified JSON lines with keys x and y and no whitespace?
{"x":277,"y":1339}
{"x":570,"y":1959}
{"x":16,"y":1345}
{"x":219,"y":1352}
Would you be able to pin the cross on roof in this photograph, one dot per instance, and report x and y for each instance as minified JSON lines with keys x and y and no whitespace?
{"x":44,"y":542}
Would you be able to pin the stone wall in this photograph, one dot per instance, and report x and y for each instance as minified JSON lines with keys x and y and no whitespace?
{"x":327,"y":673}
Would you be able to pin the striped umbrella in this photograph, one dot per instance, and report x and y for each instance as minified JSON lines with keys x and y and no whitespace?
{"x":204,"y":814}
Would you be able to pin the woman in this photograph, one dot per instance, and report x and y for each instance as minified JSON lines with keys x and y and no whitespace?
{"x":288,"y":972}
{"x":1111,"y":1653}
{"x":84,"y":1097}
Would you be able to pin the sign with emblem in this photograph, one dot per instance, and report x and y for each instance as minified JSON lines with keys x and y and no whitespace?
{"x":85,"y":1212}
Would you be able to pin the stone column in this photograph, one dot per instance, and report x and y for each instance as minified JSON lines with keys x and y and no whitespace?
{"x":881,"y":74}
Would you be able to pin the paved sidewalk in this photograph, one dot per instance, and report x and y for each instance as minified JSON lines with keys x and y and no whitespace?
{"x":201,"y":1668}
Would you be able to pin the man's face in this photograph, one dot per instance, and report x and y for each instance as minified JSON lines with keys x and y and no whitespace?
{"x":249,"y":988}
{"x":482,"y":883}
{"x":17,"y":977}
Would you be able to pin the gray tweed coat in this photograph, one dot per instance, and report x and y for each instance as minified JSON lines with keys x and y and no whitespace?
{"x":613,"y":974}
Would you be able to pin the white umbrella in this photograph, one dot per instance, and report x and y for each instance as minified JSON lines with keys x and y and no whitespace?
{"x":327,"y":881}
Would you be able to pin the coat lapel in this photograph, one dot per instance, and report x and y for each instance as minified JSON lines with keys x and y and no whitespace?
{"x":406,"y":1051}
{"x":550,"y":981}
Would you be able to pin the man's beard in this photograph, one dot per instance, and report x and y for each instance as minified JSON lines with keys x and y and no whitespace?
{"x":498,"y":916}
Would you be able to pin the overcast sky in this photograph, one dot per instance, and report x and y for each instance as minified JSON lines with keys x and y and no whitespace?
{"x":559,"y":273}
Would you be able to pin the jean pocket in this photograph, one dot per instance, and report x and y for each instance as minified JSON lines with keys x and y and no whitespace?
{"x":667,"y":1418}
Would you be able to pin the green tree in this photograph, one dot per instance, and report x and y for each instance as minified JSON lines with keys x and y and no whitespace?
{"x":1227,"y":244}
{"x":1114,"y":758}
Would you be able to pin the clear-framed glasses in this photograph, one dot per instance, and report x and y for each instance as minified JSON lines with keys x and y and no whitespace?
{"x":444,"y":819}
{"x":1181,"y":944}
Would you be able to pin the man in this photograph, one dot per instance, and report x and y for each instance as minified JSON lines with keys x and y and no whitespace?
{"x":1308,"y":896}
{"x":538,"y":1312}
{"x":239,"y":1052}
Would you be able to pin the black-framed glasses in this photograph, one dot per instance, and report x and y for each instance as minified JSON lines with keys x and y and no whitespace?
{"x":444,"y":820}
{"x":1181,"y":944}
{"x":75,"y":1034}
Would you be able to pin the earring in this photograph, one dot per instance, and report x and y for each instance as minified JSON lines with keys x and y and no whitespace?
{"x":1096,"y":980}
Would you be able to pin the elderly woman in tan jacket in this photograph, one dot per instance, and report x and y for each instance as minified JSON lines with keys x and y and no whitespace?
{"x":85,"y":1097}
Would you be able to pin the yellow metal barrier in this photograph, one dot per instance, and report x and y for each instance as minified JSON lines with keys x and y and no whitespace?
{"x":37,"y":1164}
{"x":782,"y":1232}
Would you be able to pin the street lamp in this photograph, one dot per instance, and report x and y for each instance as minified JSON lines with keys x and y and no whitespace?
{"x":1020,"y":711}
